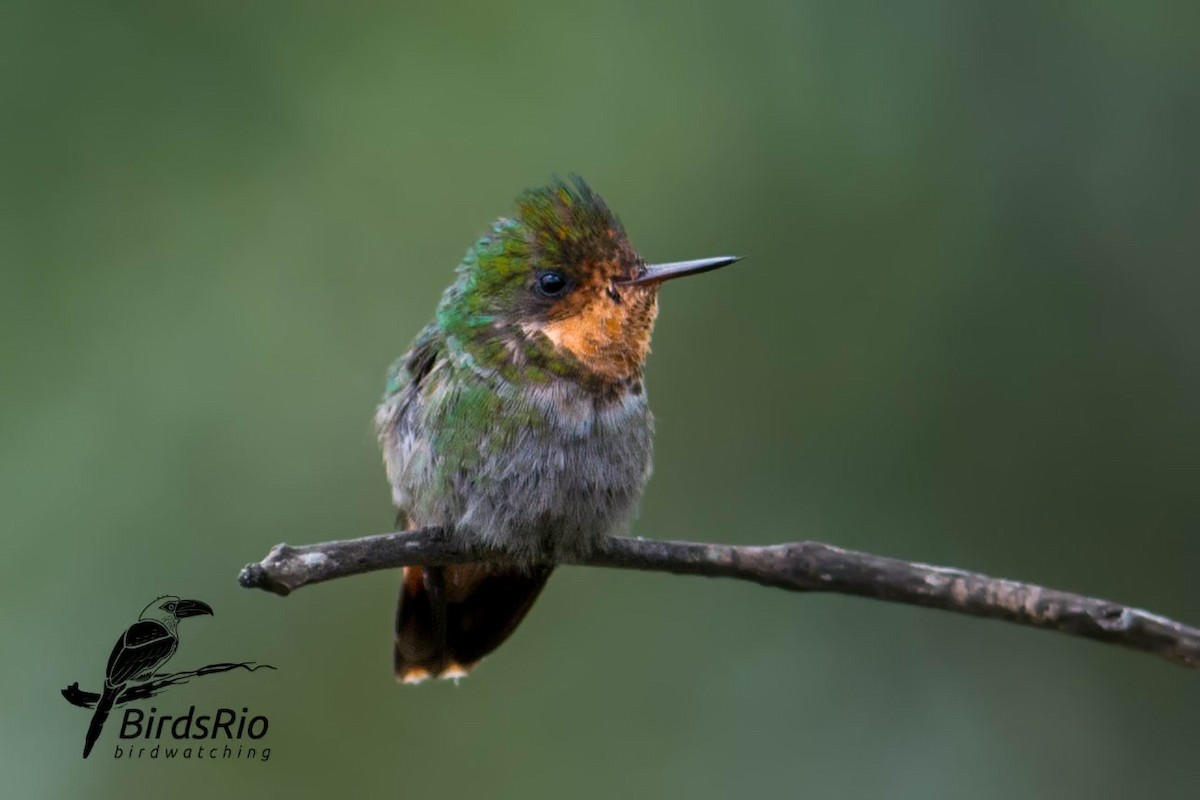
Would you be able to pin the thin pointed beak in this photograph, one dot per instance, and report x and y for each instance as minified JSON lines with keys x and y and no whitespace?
{"x":657,"y":273}
{"x":192,"y":608}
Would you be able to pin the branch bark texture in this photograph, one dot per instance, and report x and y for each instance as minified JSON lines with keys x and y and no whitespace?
{"x":797,"y":566}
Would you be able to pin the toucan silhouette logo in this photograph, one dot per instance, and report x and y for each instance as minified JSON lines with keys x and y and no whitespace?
{"x":135,"y":667}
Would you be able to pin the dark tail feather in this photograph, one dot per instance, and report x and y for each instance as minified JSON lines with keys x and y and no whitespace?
{"x":420,"y":643}
{"x":450,"y":617}
{"x":107,"y":698}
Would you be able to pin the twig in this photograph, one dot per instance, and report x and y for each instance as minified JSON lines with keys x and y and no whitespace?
{"x":798,"y":566}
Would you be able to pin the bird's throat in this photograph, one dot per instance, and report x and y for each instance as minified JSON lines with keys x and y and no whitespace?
{"x":610,"y":339}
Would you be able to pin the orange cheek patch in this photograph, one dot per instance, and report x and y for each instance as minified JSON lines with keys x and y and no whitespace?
{"x":611,"y":339}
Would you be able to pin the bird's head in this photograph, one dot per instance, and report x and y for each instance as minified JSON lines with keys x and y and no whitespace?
{"x":169,"y":609}
{"x":558,"y":289}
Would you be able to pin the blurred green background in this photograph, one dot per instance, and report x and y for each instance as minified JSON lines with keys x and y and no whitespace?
{"x":967,"y":333}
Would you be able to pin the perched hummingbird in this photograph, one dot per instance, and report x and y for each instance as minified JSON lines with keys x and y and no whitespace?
{"x":518,"y":419}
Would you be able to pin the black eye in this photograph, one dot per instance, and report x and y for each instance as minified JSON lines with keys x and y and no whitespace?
{"x":169,"y":606}
{"x":551,"y":283}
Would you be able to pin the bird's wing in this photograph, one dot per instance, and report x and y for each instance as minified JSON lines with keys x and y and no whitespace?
{"x":143,"y":646}
{"x":405,"y":376}
{"x":397,"y":416}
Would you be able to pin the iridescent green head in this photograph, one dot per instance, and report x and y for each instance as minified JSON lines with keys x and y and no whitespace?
{"x":562,"y":282}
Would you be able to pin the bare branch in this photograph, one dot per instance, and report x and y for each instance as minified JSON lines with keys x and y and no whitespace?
{"x":798,"y":566}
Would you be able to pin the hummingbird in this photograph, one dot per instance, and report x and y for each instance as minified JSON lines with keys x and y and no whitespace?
{"x":518,"y":420}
